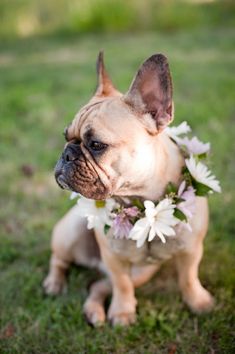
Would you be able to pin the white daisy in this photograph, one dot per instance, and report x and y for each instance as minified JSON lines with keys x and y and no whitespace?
{"x":194,"y":146}
{"x":158,"y":221}
{"x":97,"y":212}
{"x":176,"y":132}
{"x":202,"y":174}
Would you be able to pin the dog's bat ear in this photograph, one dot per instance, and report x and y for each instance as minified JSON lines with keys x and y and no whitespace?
{"x":151,"y":91}
{"x":105,"y":86}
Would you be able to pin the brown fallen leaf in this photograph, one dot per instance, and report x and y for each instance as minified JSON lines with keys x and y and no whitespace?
{"x":172,"y":349}
{"x":27,"y":170}
{"x":8,"y":331}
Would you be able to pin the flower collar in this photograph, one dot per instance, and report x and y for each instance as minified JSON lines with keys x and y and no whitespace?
{"x":141,"y":221}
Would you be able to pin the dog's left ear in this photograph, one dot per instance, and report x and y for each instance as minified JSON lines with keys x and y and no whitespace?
{"x":105,"y":86}
{"x":151,"y":91}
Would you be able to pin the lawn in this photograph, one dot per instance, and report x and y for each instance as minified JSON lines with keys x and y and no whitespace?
{"x":43,"y":83}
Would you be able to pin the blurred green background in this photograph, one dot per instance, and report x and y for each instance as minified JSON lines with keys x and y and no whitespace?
{"x":25,"y":18}
{"x":48,"y":51}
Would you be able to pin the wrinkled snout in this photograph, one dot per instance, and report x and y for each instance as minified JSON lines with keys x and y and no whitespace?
{"x":75,"y":172}
{"x":65,"y":165}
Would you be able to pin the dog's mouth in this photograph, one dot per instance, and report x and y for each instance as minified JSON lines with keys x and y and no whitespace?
{"x":62,"y":182}
{"x":60,"y":176}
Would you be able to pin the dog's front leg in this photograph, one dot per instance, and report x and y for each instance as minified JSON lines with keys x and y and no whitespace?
{"x":123,"y":305}
{"x":194,"y":294}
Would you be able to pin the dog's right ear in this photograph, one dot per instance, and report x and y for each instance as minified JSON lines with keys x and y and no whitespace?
{"x":105,"y":86}
{"x":151,"y":91}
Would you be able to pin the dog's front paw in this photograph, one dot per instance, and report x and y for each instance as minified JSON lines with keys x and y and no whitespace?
{"x":122,"y":313}
{"x":201,"y":301}
{"x":54,"y":285}
{"x":123,"y":319}
{"x":94,"y":313}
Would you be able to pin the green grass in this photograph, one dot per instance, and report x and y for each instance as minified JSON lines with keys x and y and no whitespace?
{"x":43,"y":83}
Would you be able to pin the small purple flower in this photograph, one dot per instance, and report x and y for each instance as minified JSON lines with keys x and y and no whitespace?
{"x":188,"y":205}
{"x":121,"y":223}
{"x":132,"y":211}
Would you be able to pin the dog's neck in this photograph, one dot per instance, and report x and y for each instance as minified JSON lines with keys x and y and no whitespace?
{"x":166,"y":167}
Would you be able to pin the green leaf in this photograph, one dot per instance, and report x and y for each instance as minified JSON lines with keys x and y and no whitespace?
{"x":201,"y":189}
{"x":185,"y":170}
{"x":202,"y":156}
{"x":187,"y":176}
{"x":136,"y":202}
{"x":106,"y":228}
{"x":171,"y":188}
{"x":180,"y":215}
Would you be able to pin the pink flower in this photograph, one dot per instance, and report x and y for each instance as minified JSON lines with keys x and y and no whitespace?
{"x":132,"y":212}
{"x":121,"y":223}
{"x":188,"y":205}
{"x":194,"y":146}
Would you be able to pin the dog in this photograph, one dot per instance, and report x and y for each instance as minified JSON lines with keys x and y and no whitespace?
{"x":116,"y":146}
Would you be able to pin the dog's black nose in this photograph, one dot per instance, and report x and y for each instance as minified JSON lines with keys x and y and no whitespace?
{"x":69,"y":156}
{"x":72,"y":152}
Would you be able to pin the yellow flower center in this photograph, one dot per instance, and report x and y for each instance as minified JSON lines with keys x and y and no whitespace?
{"x":100,"y":203}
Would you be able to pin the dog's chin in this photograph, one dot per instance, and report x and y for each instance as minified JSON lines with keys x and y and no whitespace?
{"x":91,"y":194}
{"x":89,"y":191}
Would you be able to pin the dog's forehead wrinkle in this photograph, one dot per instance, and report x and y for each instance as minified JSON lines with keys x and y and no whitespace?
{"x":82,"y":115}
{"x":110,"y":120}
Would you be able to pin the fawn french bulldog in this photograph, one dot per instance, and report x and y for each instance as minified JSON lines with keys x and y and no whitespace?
{"x":116,"y":147}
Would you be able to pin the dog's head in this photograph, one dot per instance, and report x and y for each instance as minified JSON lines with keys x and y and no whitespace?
{"x":110,"y":147}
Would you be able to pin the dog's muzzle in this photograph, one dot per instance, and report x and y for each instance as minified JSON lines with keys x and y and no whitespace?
{"x":76,"y":173}
{"x":64,"y":165}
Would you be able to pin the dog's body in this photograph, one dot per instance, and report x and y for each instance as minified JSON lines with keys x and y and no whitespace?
{"x":117,"y":147}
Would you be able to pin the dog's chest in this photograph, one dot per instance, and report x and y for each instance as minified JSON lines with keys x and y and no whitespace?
{"x":150,"y":252}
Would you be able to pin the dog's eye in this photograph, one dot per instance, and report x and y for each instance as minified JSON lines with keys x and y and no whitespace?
{"x":97,"y":146}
